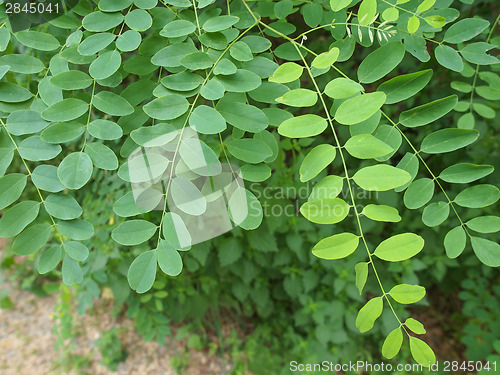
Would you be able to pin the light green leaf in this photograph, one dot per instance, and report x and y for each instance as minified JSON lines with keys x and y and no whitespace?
{"x":413,"y":24}
{"x":133,"y":232}
{"x":287,"y":72}
{"x":326,"y":59}
{"x":427,"y":113}
{"x":484,"y":224}
{"x":11,"y":186}
{"x":341,"y":88}
{"x":407,"y":294}
{"x":381,"y":61}
{"x":359,"y":108}
{"x":361,"y":270}
{"x":253,"y":211}
{"x":369,"y":313}
{"x":167,"y":107}
{"x":435,"y":21}
{"x":65,"y":110}
{"x":421,"y":352}
{"x":50,"y":259}
{"x":75,"y":170}
{"x":299,"y":98}
{"x":392,"y":343}
{"x":380,"y":177}
{"x":32,"y":239}
{"x":487,"y":251}
{"x":316,"y":160}
{"x":419,"y":193}
{"x":366,"y":146}
{"x":303,"y":126}
{"x":142,"y":272}
{"x":169,"y":259}
{"x":367,"y":12}
{"x":463,"y":173}
{"x":337,"y":246}
{"x":175,"y":232}
{"x":399,"y":247}
{"x":337,"y":5}
{"x":454,"y":242}
{"x":447,"y":140}
{"x":62,"y":206}
{"x":405,"y":86}
{"x":325,"y":211}
{"x":18,"y":217}
{"x":328,"y":187}
{"x":380,"y":212}
{"x":199,"y":157}
{"x":415,"y":326}
{"x":478,"y":196}
{"x":435,"y":214}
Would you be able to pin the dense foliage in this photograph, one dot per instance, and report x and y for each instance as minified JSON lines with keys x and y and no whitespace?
{"x":381,"y":111}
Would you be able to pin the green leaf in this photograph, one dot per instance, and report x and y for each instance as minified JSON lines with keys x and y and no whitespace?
{"x":79,"y":230}
{"x":454,"y":242}
{"x":391,"y":14}
{"x":380,"y":62}
{"x":476,"y":54}
{"x":380,"y":177}
{"x":316,"y":160}
{"x":196,"y":61}
{"x":421,"y":352}
{"x":62,"y":132}
{"x":114,"y":5}
{"x":367,"y":12}
{"x":105,"y":65}
{"x":25,"y":122}
{"x":326,"y":59}
{"x":37,"y":40}
{"x":337,"y":246}
{"x":255,"y":173}
{"x":484,"y":224}
{"x":169,"y":259}
{"x":478,"y":196}
{"x":95,"y":43}
{"x":369,"y":313}
{"x":100,"y":21}
{"x":167,"y":107}
{"x":464,"y":30}
{"x":361,"y":270}
{"x":62,"y":206}
{"x":112,"y":104}
{"x":128,"y":41}
{"x":488,"y":252}
{"x":328,"y":187}
{"x":405,"y":86}
{"x":253,"y":212}
{"x":71,"y":271}
{"x":184,"y":81}
{"x":50,"y":259}
{"x":142,"y":271}
{"x":435,"y":214}
{"x":341,"y":88}
{"x":138,"y":20}
{"x":447,"y":140}
{"x":240,"y":51}
{"x":380,"y":212}
{"x":463,"y":173}
{"x":126,"y":206}
{"x":427,"y":113}
{"x":299,"y":98}
{"x":366,"y":146}
{"x":241,"y":81}
{"x":11,"y":186}
{"x":407,"y":294}
{"x":71,"y":80}
{"x":45,"y":178}
{"x":243,"y":116}
{"x":24,"y":64}
{"x":219,"y":23}
{"x":359,"y":108}
{"x":175,"y":232}
{"x":287,"y":72}
{"x":392,"y":343}
{"x":249,"y":150}
{"x":303,"y":126}
{"x":32,"y":239}
{"x":171,"y":55}
{"x":419,"y":193}
{"x":178,"y":28}
{"x":337,"y":5}
{"x":435,"y":21}
{"x":415,"y":326}
{"x":35,"y":149}
{"x":18,"y":217}
{"x":399,"y":247}
{"x":75,"y":170}
{"x":449,"y":58}
{"x":105,"y":129}
{"x":65,"y":110}
{"x":325,"y":211}
{"x":76,"y":250}
{"x":12,"y":93}
{"x":133,"y":232}
{"x":102,"y":156}
{"x":212,"y":90}
{"x":199,"y":157}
